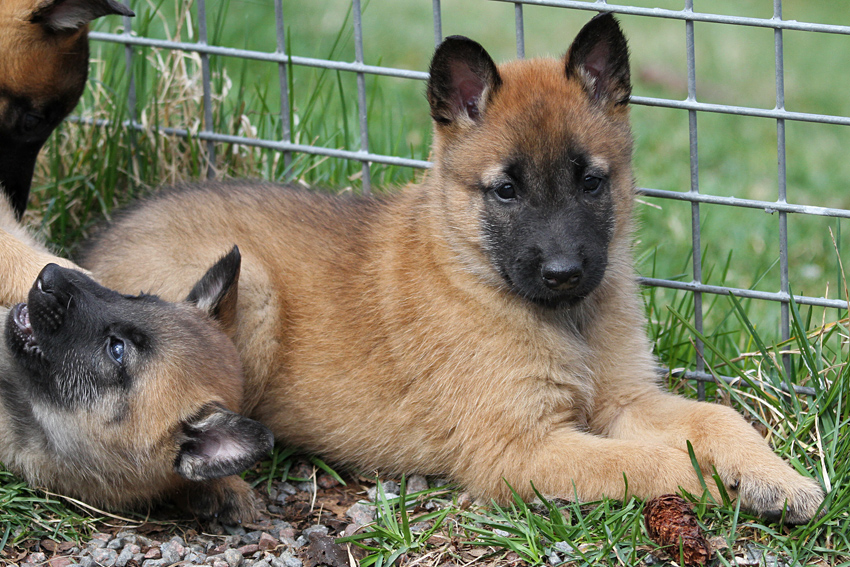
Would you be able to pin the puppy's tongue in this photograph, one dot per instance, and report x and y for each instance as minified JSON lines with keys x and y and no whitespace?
{"x":21,"y":316}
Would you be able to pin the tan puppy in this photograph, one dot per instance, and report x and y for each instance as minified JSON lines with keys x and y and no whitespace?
{"x":485,"y":324}
{"x":121,"y":400}
{"x":44,"y":63}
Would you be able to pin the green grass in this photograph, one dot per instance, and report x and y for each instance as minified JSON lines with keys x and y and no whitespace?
{"x":85,"y":172}
{"x":26,"y":513}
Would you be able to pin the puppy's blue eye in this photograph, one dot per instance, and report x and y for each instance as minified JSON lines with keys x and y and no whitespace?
{"x":116,"y":350}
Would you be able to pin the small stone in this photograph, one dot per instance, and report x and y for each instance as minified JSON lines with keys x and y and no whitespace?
{"x":350,"y":530}
{"x":61,"y":561}
{"x":96,"y":544}
{"x":128,"y":537}
{"x":235,"y":530}
{"x":145,"y":541}
{"x":300,"y":542}
{"x":302,"y":470}
{"x":195,"y":558}
{"x":286,"y":489}
{"x":233,"y":557}
{"x":361,"y":513}
{"x":287,"y":532}
{"x":220,"y":563}
{"x":565,"y":547}
{"x":417,"y":483}
{"x":250,"y":549}
{"x":326,"y":481}
{"x":286,"y":559}
{"x":554,"y":559}
{"x":105,"y":557}
{"x":126,"y":555}
{"x":101,"y":536}
{"x":313,"y":531}
{"x":115,"y":544}
{"x":172,"y":552}
{"x":305,"y":487}
{"x":153,"y":553}
{"x":177,"y":540}
{"x":86,"y":562}
{"x":391,"y":490}
{"x":267,"y":541}
{"x":154,"y":563}
{"x":37,"y":558}
{"x":262,"y":563}
{"x":197,"y":548}
{"x":251,"y":537}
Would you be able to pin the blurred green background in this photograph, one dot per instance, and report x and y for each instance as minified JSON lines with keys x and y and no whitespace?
{"x":87,"y":171}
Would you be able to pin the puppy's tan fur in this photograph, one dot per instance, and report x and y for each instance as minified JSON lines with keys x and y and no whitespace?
{"x":121,"y":450}
{"x":378,"y":332}
{"x":44,"y":58}
{"x":22,"y":258}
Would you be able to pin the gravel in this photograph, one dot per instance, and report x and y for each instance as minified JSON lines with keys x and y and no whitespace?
{"x":298,"y":529}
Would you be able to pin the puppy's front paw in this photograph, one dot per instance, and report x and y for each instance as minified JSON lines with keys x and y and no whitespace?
{"x":229,"y":500}
{"x":796,"y":496}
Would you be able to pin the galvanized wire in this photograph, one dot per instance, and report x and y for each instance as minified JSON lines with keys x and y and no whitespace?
{"x":691,"y":104}
{"x":696,"y":229}
{"x":209,"y":125}
{"x":283,"y":78}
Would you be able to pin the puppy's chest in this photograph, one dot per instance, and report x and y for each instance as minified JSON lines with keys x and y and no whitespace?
{"x":549,"y":376}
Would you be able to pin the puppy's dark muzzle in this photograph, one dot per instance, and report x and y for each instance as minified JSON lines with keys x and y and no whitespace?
{"x":17,"y":164}
{"x":562,"y":275}
{"x":49,"y":299}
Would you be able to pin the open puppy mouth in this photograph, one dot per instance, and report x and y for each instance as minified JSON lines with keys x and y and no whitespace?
{"x":23,"y":329}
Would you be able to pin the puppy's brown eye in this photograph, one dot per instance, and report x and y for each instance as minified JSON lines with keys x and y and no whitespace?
{"x":591,"y":183}
{"x":506,"y":192}
{"x":31,"y":121}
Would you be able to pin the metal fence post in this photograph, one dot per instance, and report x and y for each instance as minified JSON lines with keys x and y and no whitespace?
{"x":209,"y":124}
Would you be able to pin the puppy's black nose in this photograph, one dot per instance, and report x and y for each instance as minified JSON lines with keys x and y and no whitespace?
{"x":561,"y":274}
{"x":46,"y":281}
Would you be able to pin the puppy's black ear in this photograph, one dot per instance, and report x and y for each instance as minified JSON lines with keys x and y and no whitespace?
{"x":463,"y":78}
{"x":217,"y":291}
{"x":71,"y":15}
{"x":220,"y":443}
{"x":599,"y":59}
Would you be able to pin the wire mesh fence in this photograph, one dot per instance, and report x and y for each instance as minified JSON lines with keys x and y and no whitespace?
{"x":693,"y":195}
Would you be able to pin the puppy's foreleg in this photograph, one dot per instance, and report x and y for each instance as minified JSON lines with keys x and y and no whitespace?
{"x":572,"y":464}
{"x":724,"y":441}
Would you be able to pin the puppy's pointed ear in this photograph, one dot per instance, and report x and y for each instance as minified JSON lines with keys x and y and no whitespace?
{"x":217,"y":291}
{"x":220,"y":443}
{"x":71,"y":15}
{"x":599,"y":59}
{"x":463,"y":78}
